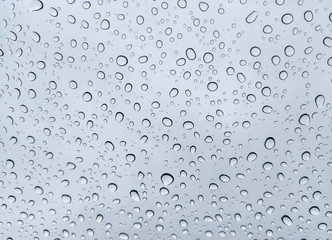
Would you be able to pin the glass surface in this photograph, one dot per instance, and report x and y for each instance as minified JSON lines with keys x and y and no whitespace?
{"x":165,"y":120}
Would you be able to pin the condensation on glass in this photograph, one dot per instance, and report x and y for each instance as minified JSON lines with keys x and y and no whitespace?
{"x":165,"y":120}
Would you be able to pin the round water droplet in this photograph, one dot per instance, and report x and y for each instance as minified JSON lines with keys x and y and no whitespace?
{"x":314,"y":210}
{"x":303,"y":180}
{"x":289,"y":51}
{"x":119,"y":116}
{"x":320,"y":100}
{"x":135,"y":195}
{"x":105,"y":24}
{"x":212,"y":86}
{"x":112,"y":187}
{"x":267,"y":166}
{"x":327,"y":42}
{"x":122,"y":60}
{"x":36,"y":5}
{"x":167,"y":179}
{"x":39,"y":190}
{"x":87,"y":97}
{"x":208,"y":57}
{"x":130,"y":157}
{"x":255,"y":51}
{"x":203,"y":6}
{"x":66,"y":198}
{"x":306,"y":156}
{"x":287,"y":18}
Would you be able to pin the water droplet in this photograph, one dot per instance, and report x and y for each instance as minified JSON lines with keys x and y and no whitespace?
{"x":304,"y":119}
{"x":167,"y":122}
{"x":188,"y":125}
{"x":134,"y":195}
{"x":287,"y":18}
{"x":252,"y":17}
{"x":269,"y":143}
{"x":121,"y":60}
{"x":314,"y":210}
{"x":87,"y":97}
{"x":327,"y":41}
{"x":320,"y":100}
{"x":212,"y":86}
{"x":105,"y":24}
{"x":123,"y":236}
{"x":131,"y":157}
{"x":224,"y":178}
{"x":36,"y":5}
{"x":251,"y":157}
{"x":112,"y":187}
{"x":306,"y":156}
{"x":203,"y":6}
{"x":167,"y":179}
{"x":287,"y":220}
{"x":66,"y":198}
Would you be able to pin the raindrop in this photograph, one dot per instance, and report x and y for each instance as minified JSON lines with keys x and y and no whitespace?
{"x":269,"y":143}
{"x":304,"y":119}
{"x":287,"y":18}
{"x":314,"y":210}
{"x":105,"y":24}
{"x":212,"y":86}
{"x":66,"y":198}
{"x":167,"y":122}
{"x":188,"y":125}
{"x":121,"y":60}
{"x":252,"y":17}
{"x":224,"y":178}
{"x":327,"y":41}
{"x":287,"y":220}
{"x":203,"y":6}
{"x":251,"y":157}
{"x":167,"y":179}
{"x":306,"y":156}
{"x":255,"y":51}
{"x":112,"y":187}
{"x":36,"y":5}
{"x":208,"y":57}
{"x":87,"y":97}
{"x":130,"y":157}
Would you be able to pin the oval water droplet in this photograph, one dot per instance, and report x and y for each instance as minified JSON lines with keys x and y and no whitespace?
{"x":252,"y":157}
{"x":167,"y":179}
{"x":224,"y":178}
{"x":287,"y":220}
{"x":252,"y":17}
{"x":269,"y":143}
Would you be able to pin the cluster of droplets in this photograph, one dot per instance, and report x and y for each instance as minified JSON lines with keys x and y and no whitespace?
{"x":165,"y":120}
